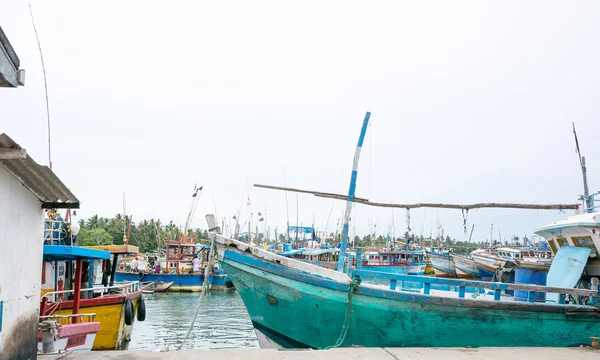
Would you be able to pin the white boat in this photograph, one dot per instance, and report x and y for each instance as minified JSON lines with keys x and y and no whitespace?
{"x":581,"y":230}
{"x":465,"y":266}
{"x":487,"y":263}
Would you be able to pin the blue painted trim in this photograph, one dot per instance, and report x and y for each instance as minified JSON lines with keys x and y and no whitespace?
{"x":363,"y":131}
{"x":352,"y":189}
{"x":231,"y":257}
{"x":1,"y":312}
{"x":179,"y":280}
{"x":64,"y":253}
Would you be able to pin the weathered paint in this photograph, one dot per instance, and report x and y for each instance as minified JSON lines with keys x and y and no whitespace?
{"x":310,"y":310}
{"x":443,"y":265}
{"x":191,"y":283}
{"x":113,"y":334}
{"x":465,"y":266}
{"x":21,"y":221}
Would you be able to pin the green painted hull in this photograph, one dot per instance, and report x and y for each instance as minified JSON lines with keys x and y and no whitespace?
{"x":312,"y":314}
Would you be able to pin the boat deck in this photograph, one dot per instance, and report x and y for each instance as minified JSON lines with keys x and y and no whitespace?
{"x":342,"y":354}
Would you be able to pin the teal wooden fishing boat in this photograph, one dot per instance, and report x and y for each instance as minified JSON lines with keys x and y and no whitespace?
{"x":297,"y":304}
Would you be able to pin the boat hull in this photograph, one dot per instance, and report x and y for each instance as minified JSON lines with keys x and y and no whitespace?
{"x":181,"y":283}
{"x":443,"y":265}
{"x":295,"y":308}
{"x":114,"y":334}
{"x":487,"y":266}
{"x":465,"y":267}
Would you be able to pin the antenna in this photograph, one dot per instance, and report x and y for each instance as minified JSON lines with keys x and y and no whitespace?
{"x":45,"y":85}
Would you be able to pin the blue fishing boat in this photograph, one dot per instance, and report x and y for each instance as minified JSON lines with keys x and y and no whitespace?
{"x":297,"y":304}
{"x":442,"y":263}
{"x":411,"y":262}
{"x":179,"y":269}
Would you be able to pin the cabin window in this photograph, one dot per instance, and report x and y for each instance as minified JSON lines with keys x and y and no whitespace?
{"x":586,"y":242}
{"x":561,"y":242}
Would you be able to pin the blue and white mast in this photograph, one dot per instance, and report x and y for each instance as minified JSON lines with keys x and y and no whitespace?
{"x":350,"y":201}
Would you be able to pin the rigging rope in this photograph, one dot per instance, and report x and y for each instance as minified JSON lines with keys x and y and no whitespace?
{"x":351,"y":288}
{"x":204,"y":292}
{"x":465,"y":215}
{"x":408,"y":220}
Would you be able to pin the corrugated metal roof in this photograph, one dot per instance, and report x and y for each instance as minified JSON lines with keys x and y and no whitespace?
{"x":38,"y":179}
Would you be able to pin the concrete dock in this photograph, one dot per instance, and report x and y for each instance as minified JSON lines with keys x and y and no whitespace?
{"x":341,"y":354}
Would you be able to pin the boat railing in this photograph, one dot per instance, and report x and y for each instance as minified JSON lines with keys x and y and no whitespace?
{"x":125,"y":288}
{"x":58,"y":318}
{"x":496,"y":287}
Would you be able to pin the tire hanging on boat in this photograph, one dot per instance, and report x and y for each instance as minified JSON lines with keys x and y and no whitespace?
{"x":128,"y":312}
{"x":141,"y":310}
{"x":140,"y":276}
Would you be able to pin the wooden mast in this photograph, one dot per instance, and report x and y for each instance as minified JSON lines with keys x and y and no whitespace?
{"x":351,"y":191}
{"x":427,"y":205}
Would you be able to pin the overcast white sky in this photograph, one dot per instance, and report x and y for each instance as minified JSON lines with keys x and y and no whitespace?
{"x":471,"y":101}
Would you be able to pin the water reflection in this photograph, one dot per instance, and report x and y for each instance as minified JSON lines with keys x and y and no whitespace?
{"x":222,"y":322}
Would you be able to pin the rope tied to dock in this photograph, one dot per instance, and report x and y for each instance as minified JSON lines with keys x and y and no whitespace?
{"x":356,"y":280}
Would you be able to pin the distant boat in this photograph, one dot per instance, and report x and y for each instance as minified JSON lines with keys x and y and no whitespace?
{"x":465,"y":266}
{"x":178,"y":270}
{"x":442,"y":263}
{"x":156,"y":286}
{"x":487,"y":263}
{"x":396,"y":261}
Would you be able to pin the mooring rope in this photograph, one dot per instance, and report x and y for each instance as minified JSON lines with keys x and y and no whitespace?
{"x":204,"y":293}
{"x":351,"y":288}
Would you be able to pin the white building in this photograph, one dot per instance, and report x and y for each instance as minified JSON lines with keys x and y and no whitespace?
{"x":26,"y":190}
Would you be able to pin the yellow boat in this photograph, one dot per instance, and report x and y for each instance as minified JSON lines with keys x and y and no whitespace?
{"x":65,"y":270}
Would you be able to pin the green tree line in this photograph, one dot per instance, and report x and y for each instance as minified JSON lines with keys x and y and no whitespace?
{"x":148,"y":235}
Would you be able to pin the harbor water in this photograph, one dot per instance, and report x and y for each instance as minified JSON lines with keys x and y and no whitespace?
{"x":222,"y":322}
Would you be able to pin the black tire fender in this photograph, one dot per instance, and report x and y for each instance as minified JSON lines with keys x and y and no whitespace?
{"x":141,"y":310}
{"x":128,"y":312}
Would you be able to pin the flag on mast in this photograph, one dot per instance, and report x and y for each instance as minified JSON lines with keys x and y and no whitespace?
{"x":196,"y":189}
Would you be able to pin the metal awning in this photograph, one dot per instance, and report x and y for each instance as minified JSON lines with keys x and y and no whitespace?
{"x":63,"y":252}
{"x":38,"y":179}
{"x":116,"y":249}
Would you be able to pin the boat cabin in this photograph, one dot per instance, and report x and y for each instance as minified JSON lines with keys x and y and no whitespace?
{"x":394,"y":258}
{"x":509,"y":253}
{"x":581,"y":230}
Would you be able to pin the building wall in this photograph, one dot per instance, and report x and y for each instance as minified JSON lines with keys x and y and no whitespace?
{"x":21,"y":240}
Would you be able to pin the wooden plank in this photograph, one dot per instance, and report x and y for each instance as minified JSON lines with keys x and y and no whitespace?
{"x":12,"y":154}
{"x":427,"y":289}
{"x":427,"y":205}
{"x":474,"y":283}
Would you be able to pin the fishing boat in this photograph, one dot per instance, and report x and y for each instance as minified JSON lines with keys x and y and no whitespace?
{"x":59,"y":333}
{"x":296,"y":304}
{"x":465,"y":266}
{"x":582,"y":230}
{"x":488,"y":263}
{"x":179,"y":271}
{"x":156,"y":286}
{"x":398,"y":262}
{"x":66,"y":293}
{"x":442,"y":263}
